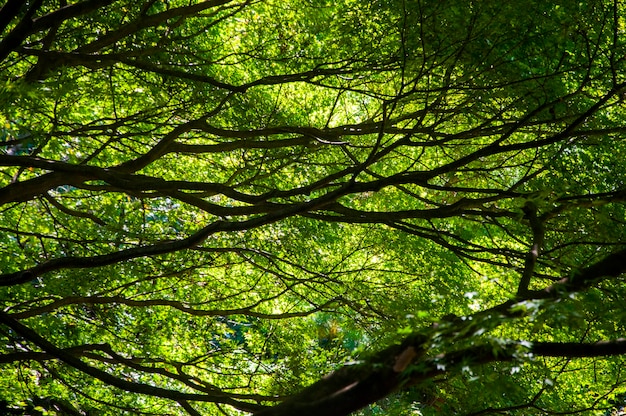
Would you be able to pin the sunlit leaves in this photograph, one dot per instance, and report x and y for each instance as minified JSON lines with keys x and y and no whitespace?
{"x":235,"y":198}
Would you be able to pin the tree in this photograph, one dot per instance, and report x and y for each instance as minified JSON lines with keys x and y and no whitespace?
{"x":278,"y":208}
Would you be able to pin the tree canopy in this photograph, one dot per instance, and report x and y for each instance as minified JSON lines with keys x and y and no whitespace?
{"x":312,"y":207}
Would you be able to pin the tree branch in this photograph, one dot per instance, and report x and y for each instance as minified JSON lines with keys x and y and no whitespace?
{"x":111,"y":380}
{"x":611,"y":266}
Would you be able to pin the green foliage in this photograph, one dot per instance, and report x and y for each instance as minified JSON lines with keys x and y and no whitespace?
{"x":228,"y":200}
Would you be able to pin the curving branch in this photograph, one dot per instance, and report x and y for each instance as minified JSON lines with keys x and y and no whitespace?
{"x":68,"y":358}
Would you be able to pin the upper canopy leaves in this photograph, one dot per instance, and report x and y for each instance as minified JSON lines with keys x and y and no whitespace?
{"x":214,"y":203}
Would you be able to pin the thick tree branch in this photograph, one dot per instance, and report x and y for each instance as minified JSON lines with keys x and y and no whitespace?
{"x":10,"y":9}
{"x":21,"y":30}
{"x":611,"y":266}
{"x":353,"y":387}
{"x":538,"y":231}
